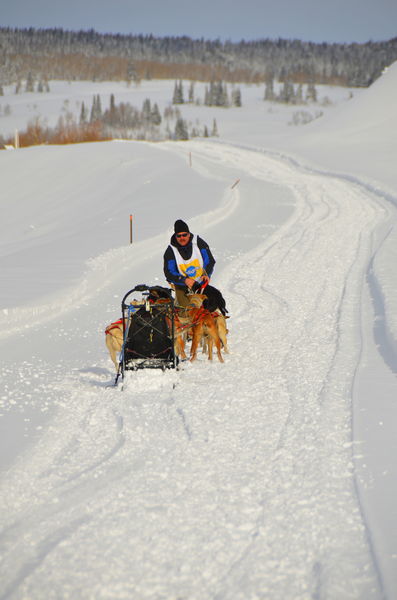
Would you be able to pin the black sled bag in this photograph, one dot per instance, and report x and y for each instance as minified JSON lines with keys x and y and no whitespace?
{"x":148,"y":336}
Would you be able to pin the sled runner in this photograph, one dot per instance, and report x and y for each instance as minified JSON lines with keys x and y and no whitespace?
{"x":148,"y":330}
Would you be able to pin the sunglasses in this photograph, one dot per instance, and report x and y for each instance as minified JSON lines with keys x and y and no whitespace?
{"x":182,"y":235}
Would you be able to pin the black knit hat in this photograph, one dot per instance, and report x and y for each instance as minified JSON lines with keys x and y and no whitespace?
{"x":181,"y":226}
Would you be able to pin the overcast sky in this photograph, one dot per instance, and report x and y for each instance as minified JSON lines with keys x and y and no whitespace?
{"x":308,"y":20}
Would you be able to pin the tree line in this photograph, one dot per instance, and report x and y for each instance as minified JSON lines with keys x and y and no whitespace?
{"x":117,"y":121}
{"x":88,"y":55}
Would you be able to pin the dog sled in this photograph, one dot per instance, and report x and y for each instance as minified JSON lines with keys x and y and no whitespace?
{"x":148,"y":320}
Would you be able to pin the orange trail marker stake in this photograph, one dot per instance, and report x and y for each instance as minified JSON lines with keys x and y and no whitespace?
{"x":130,"y":229}
{"x":235,"y":183}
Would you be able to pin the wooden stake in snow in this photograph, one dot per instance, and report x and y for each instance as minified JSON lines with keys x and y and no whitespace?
{"x":130,"y":229}
{"x":235,"y":183}
{"x":16,"y":139}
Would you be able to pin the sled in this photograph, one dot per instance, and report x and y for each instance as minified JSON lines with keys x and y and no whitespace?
{"x":148,"y":330}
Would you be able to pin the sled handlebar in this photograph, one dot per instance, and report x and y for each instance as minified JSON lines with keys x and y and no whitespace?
{"x":142,"y":287}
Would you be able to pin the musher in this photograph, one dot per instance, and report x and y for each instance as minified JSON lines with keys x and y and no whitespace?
{"x":187,"y":260}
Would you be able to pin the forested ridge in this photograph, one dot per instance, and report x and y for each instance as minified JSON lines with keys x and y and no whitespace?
{"x":88,"y":55}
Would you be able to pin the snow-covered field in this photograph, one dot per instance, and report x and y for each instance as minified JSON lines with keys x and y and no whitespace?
{"x":272,"y":475}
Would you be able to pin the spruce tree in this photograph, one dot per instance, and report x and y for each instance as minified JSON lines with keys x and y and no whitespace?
{"x":155,"y":116}
{"x":191,"y":92}
{"x":178,"y":93}
{"x":29,"y":83}
{"x":206,"y":96}
{"x":270,"y":96}
{"x":299,"y":94}
{"x":287,"y":93}
{"x":146,"y":110}
{"x":311,"y":93}
{"x":236,"y":97}
{"x":181,"y":132}
{"x":83,"y":114}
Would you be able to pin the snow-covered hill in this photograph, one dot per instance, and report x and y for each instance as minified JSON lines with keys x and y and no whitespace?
{"x":270,"y":476}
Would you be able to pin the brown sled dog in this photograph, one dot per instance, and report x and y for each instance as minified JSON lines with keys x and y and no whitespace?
{"x":114,"y":340}
{"x":114,"y":337}
{"x":215,"y":303}
{"x":203,"y":323}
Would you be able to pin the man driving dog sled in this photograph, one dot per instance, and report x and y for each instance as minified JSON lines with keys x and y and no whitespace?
{"x":187,"y":261}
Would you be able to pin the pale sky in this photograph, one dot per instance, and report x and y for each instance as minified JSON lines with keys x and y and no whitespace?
{"x":307,"y":20}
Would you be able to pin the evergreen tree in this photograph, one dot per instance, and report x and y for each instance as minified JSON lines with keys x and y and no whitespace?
{"x":287,"y":93}
{"x":224,"y":96}
{"x":131,"y":74}
{"x":146,"y":110}
{"x":270,"y":95}
{"x":178,"y":93}
{"x":206,"y":96}
{"x":29,"y":83}
{"x":96,"y":109}
{"x":155,"y":116}
{"x":83,"y":114}
{"x":214,"y":131}
{"x":206,"y":131}
{"x":311,"y":92}
{"x":181,"y":132}
{"x":1,"y":90}
{"x":299,"y":94}
{"x":99,"y":106}
{"x":236,"y":97}
{"x":112,"y":106}
{"x":191,"y":92}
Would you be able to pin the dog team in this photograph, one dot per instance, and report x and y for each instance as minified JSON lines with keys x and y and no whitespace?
{"x":200,"y":315}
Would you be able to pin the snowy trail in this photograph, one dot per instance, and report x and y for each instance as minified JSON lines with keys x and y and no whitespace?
{"x":239,"y":483}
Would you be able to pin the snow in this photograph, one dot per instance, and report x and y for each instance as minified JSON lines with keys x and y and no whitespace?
{"x":272,"y":475}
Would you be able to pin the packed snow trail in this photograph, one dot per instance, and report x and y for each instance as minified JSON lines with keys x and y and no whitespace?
{"x":239,"y":483}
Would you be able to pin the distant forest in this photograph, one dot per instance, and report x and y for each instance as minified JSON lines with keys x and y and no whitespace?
{"x":87,"y":55}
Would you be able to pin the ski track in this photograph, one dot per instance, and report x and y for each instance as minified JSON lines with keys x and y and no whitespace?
{"x":239,"y":483}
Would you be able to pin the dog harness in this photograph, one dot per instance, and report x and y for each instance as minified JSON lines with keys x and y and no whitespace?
{"x":114,"y":325}
{"x":192,"y":267}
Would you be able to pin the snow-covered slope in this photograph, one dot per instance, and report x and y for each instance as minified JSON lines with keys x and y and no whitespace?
{"x":267,"y":476}
{"x":357,"y":138}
